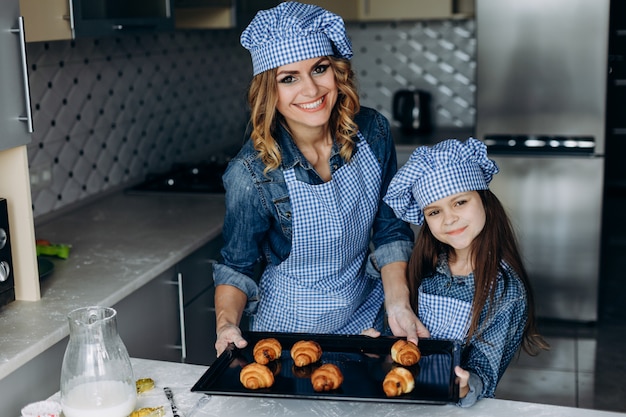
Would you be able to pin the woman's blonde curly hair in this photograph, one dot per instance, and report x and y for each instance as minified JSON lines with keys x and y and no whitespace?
{"x":263,"y":97}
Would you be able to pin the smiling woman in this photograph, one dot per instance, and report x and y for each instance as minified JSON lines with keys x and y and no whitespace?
{"x":303,"y":196}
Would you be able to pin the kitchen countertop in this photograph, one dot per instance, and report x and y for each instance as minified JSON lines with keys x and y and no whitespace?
{"x":410,"y":140}
{"x":406,"y":142}
{"x":119,"y":243}
{"x":181,"y":377}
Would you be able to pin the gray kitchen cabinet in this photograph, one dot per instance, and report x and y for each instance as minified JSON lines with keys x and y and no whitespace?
{"x":16,"y":126}
{"x":172,"y":318}
{"x":204,"y":14}
{"x":208,"y":14}
{"x":148,"y":320}
{"x":217,"y":14}
{"x":36,"y":380}
{"x":200,"y":329}
{"x":195,"y":273}
{"x":380,"y":10}
{"x":15,"y":121}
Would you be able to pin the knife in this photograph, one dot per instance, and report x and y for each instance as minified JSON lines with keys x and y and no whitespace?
{"x":170,"y":397}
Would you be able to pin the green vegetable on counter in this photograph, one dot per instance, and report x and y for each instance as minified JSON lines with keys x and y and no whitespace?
{"x":48,"y":249}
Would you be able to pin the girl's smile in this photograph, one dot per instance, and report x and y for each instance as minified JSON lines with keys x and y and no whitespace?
{"x":457,"y":231}
{"x":456,"y":220}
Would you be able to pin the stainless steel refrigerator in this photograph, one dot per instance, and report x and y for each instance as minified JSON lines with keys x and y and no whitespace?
{"x":540,"y":107}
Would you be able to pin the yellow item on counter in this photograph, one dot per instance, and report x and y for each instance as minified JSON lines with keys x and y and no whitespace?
{"x":148,"y":412}
{"x":144,"y":384}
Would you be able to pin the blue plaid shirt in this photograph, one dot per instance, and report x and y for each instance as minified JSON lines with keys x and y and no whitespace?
{"x":499,"y":335}
{"x":258,"y":224}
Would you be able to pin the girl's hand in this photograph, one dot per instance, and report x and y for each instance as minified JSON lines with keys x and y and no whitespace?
{"x":229,"y":334}
{"x":371,"y":332}
{"x":462,"y":377}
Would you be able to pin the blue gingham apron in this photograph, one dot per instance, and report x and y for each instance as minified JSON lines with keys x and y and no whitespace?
{"x":444,"y":317}
{"x":322,"y":287}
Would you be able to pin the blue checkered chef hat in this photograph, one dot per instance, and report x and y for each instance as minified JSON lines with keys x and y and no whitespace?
{"x":431,"y":174}
{"x":292,"y":32}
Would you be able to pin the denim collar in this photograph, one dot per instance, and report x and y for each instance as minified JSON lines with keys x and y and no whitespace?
{"x":291,"y":155}
{"x":443,"y":267}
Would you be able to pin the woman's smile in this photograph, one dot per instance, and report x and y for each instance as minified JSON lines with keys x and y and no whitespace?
{"x":314,"y":105}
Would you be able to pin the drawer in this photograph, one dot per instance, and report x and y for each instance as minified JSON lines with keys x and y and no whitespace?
{"x":200,"y":329}
{"x":197,"y":270}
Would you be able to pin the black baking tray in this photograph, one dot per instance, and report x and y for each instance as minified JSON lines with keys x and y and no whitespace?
{"x":364,"y":362}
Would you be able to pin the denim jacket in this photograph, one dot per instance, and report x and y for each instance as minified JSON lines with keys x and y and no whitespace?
{"x":500,"y":331}
{"x":258,"y":225}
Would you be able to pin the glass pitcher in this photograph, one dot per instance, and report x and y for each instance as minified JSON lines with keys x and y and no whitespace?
{"x":96,"y":377}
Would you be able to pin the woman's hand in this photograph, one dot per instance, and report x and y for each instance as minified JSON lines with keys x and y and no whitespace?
{"x":404,"y":322}
{"x":229,"y":304}
{"x":462,"y":377}
{"x":401,"y":317}
{"x":229,"y":334}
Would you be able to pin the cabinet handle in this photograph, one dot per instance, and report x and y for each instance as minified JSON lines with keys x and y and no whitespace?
{"x":181,"y":315}
{"x":70,"y":8}
{"x":29,"y":116}
{"x":366,"y":7}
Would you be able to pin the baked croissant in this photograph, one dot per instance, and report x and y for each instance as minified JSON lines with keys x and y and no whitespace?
{"x":326,"y":378}
{"x":398,"y":381}
{"x":267,"y":350}
{"x":405,"y":353}
{"x":306,"y":352}
{"x":256,"y":376}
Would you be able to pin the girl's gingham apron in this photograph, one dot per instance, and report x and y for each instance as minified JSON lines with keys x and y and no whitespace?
{"x":444,"y":317}
{"x":322,"y":287}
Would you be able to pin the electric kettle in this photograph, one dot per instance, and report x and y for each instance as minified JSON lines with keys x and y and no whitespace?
{"x":412,"y":109}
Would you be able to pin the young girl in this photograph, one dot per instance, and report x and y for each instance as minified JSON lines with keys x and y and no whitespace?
{"x":466,"y":276}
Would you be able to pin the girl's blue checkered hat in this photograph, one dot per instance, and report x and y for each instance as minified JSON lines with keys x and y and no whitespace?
{"x":292,"y":32}
{"x":432,"y":173}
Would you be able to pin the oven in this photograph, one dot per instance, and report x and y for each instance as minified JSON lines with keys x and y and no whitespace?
{"x":7,"y":282}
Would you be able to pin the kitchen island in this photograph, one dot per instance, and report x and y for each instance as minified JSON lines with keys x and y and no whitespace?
{"x":119,"y":244}
{"x":181,"y":377}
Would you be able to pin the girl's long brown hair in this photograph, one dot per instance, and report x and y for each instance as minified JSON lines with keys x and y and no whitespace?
{"x":263,"y":97}
{"x":496,"y":243}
